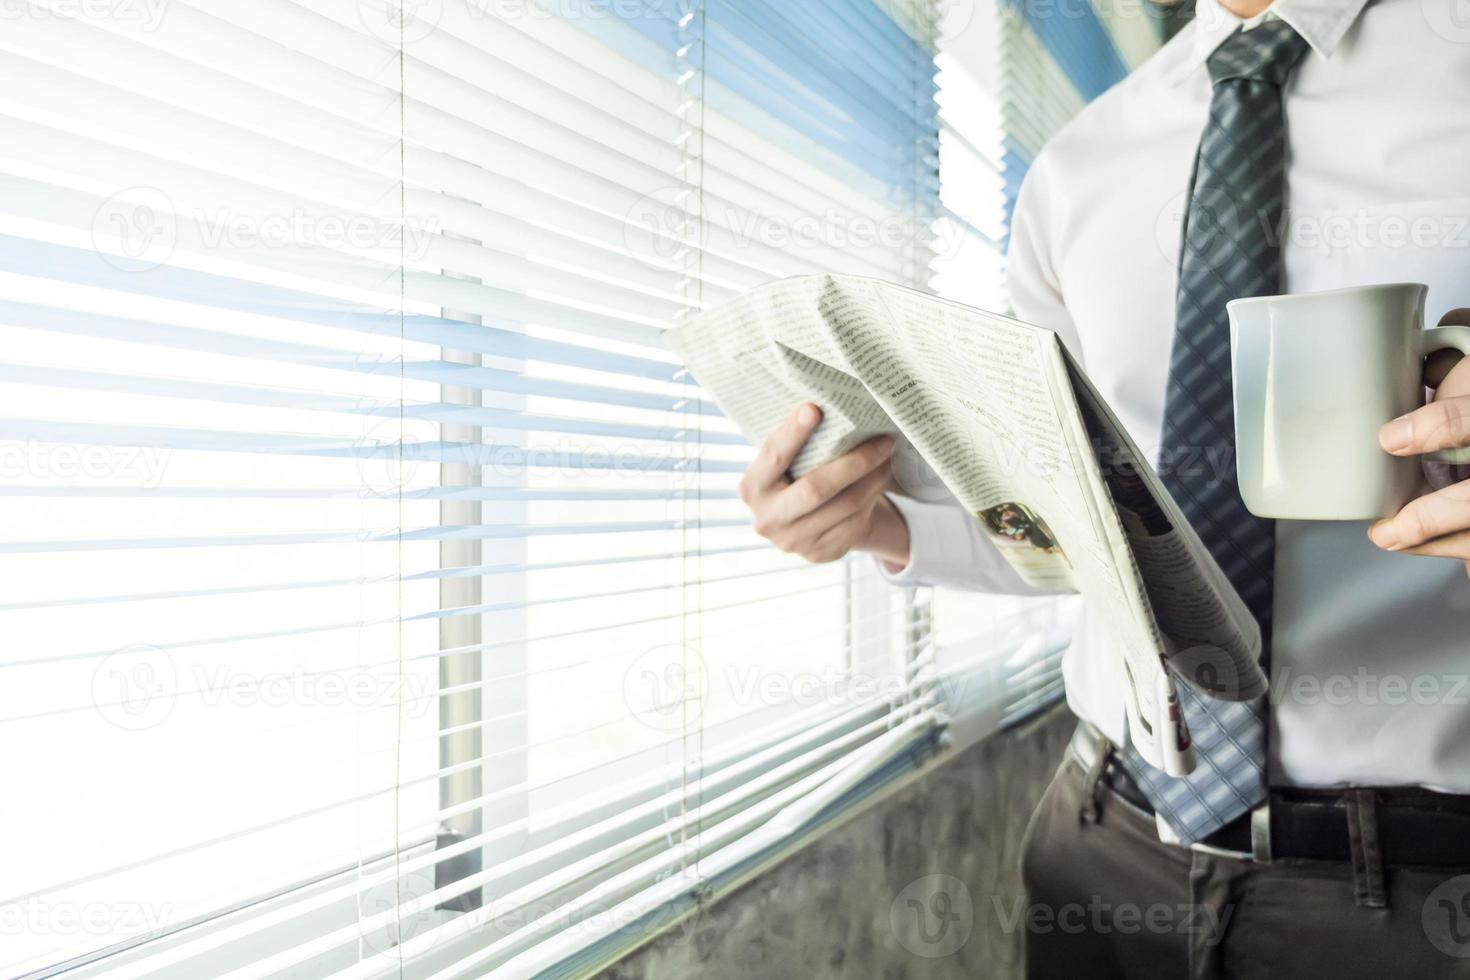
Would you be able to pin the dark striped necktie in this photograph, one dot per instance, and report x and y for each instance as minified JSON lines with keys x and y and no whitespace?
{"x":1231,"y":249}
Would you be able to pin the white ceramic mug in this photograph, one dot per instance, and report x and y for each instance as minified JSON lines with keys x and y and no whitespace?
{"x":1316,"y":376}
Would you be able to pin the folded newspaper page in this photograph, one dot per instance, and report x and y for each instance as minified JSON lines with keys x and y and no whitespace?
{"x":994,"y":414}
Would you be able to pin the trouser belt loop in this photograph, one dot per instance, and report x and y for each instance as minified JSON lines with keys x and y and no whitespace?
{"x":1260,"y":824}
{"x":1362,"y":821}
{"x":1092,"y":799}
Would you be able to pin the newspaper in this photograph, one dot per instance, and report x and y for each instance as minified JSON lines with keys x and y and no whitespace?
{"x":994,"y":413}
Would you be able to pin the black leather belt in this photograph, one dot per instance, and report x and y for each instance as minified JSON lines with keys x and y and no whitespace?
{"x":1416,"y":827}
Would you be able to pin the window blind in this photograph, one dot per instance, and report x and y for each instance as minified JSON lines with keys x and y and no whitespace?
{"x":380,"y":602}
{"x":1056,"y":59}
{"x":378,"y":596}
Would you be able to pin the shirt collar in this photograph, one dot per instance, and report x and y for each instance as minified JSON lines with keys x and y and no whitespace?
{"x":1321,"y":23}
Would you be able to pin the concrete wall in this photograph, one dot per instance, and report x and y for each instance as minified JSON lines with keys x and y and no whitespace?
{"x":920,"y":886}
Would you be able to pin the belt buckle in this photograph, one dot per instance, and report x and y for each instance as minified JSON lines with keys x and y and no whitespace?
{"x":1260,"y":838}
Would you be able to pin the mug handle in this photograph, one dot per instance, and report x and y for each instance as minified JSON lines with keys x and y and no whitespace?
{"x":1447,"y":338}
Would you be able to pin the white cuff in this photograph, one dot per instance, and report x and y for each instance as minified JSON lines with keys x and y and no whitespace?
{"x":948,"y":548}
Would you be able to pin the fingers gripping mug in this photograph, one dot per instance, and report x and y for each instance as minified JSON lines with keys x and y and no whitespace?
{"x":1316,"y":376}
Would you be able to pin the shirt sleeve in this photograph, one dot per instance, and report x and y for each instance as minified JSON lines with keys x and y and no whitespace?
{"x":1031,"y":278}
{"x":948,"y":548}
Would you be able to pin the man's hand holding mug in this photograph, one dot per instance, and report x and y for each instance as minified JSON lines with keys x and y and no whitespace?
{"x":1438,"y":523}
{"x":1316,"y":375}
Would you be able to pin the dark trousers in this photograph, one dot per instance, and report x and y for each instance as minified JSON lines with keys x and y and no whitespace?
{"x":1106,"y":898}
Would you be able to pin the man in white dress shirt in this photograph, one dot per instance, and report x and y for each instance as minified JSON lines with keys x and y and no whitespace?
{"x":1356,"y":865}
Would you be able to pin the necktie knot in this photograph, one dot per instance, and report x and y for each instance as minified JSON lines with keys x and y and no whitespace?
{"x":1265,"y":53}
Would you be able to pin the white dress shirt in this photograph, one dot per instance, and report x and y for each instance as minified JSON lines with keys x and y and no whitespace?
{"x":1371,"y":650}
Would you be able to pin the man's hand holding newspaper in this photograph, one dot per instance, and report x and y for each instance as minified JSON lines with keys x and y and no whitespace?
{"x":993,"y":413}
{"x":836,"y":508}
